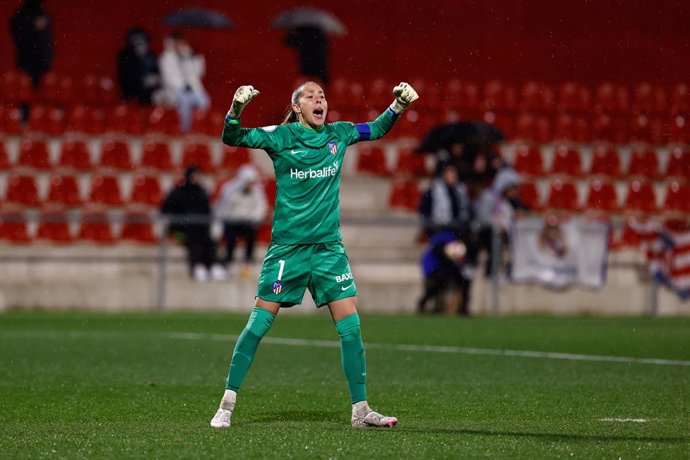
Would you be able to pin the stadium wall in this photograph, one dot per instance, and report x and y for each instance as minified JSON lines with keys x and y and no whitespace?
{"x":476,"y":40}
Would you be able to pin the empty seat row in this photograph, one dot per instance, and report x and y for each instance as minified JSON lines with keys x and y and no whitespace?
{"x":120,"y":118}
{"x":58,"y":89}
{"x":605,"y":161}
{"x":603,"y":196}
{"x":532,"y":96}
{"x":57,"y":227}
{"x":116,"y":154}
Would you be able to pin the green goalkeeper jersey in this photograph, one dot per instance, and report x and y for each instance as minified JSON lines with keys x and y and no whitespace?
{"x":307,"y":165}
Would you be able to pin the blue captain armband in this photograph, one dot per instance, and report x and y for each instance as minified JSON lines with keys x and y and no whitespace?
{"x":364,"y":131}
{"x":230,"y":120}
{"x":392,"y":113}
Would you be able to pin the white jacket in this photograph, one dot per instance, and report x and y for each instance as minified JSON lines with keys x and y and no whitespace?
{"x":178,"y":71}
{"x":243,"y":199}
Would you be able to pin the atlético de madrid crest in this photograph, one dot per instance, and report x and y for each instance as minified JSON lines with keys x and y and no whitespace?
{"x":333,"y":147}
{"x":277,"y":286}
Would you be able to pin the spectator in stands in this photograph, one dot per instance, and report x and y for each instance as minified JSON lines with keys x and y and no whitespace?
{"x":242,"y":207}
{"x":446,"y":204}
{"x":32,"y":32}
{"x":189,"y":204}
{"x":137,"y":68}
{"x":442,"y":265}
{"x":312,"y":45}
{"x":181,"y":72}
{"x":497,"y":206}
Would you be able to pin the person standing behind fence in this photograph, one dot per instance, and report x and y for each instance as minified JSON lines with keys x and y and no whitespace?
{"x":188,"y":206}
{"x":242,"y":207}
{"x":181,"y":72}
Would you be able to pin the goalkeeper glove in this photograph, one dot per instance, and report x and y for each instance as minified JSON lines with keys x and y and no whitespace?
{"x":243,"y":95}
{"x":404,"y":95}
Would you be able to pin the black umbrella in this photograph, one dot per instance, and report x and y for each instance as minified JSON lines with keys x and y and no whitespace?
{"x":198,"y":17}
{"x":472,"y":134}
{"x":309,"y":17}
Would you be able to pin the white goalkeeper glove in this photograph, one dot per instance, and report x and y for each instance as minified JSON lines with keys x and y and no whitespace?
{"x":404,"y":95}
{"x":243,"y":95}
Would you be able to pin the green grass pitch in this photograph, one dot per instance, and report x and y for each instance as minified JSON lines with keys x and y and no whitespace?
{"x":84,"y":385}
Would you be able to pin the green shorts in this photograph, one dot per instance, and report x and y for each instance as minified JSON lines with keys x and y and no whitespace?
{"x":289,"y":269}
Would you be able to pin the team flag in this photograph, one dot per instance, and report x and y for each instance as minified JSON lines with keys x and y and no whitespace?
{"x":560,"y":254}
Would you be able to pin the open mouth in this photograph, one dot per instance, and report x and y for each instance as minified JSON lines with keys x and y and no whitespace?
{"x":318,"y":113}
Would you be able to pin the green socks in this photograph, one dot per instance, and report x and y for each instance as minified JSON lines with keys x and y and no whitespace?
{"x":258,"y":325}
{"x":354,"y":362}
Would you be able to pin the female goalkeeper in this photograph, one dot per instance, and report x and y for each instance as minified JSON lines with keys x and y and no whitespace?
{"x":306,"y":249}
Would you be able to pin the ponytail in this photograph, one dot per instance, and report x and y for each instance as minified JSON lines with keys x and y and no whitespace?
{"x":290,"y":116}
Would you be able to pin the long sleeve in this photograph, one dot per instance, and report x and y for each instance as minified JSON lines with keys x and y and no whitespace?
{"x":373,"y":130}
{"x":253,"y":138}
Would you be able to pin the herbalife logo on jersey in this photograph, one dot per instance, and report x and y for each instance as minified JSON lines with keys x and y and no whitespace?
{"x":326,"y":171}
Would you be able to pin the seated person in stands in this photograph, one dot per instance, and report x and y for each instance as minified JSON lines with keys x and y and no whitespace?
{"x":137,"y":68}
{"x":188,"y":206}
{"x":498,"y":206}
{"x":242,"y":207}
{"x":442,"y":265}
{"x":181,"y":72}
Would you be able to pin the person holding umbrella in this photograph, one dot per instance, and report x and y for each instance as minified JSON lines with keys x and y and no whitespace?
{"x":306,"y":249}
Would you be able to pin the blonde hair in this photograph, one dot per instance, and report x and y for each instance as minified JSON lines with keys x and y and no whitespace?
{"x":290,"y":115}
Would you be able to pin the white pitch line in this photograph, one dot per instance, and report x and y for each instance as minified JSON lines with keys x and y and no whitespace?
{"x":370,"y":345}
{"x":624,"y":420}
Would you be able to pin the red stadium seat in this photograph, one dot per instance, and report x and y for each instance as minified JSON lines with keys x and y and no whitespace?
{"x":649,"y":100}
{"x":13,"y":228}
{"x":462,"y":97}
{"x":379,"y":92}
{"x":126,"y":119}
{"x":209,"y":123}
{"x":537,"y":98}
{"x":610,"y":128}
{"x":64,"y":190}
{"x":34,"y":154}
{"x":98,"y":91}
{"x":529,"y":196}
{"x":95,"y":227}
{"x":105,"y":190}
{"x":499,"y":97}
{"x":574,"y":98}
{"x":234,"y":158}
{"x":602,"y":196}
{"x":644,"y":163}
{"x":137,"y":228}
{"x":11,"y":120}
{"x":57,"y":89}
{"x":679,"y":130}
{"x":84,"y":119}
{"x":371,"y":159}
{"x":677,"y":197}
{"x":146,"y":191}
{"x":16,"y":88}
{"x":678,"y":164}
{"x":404,"y":194}
{"x":605,"y":162}
{"x":116,"y":155}
{"x":4,"y":159}
{"x":408,"y":161}
{"x":54,"y":227}
{"x":566,"y":160}
{"x":264,"y":233}
{"x":48,"y":120}
{"x":156,"y":155}
{"x":431,"y":91}
{"x":533,"y":128}
{"x":528,"y":160}
{"x":571,"y":128}
{"x":644,"y":128}
{"x":75,"y":154}
{"x":22,"y":190}
{"x":612,"y":98}
{"x":680,"y":99}
{"x":641,"y":197}
{"x":562,"y":195}
{"x":162,"y":121}
{"x":197,"y":153}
